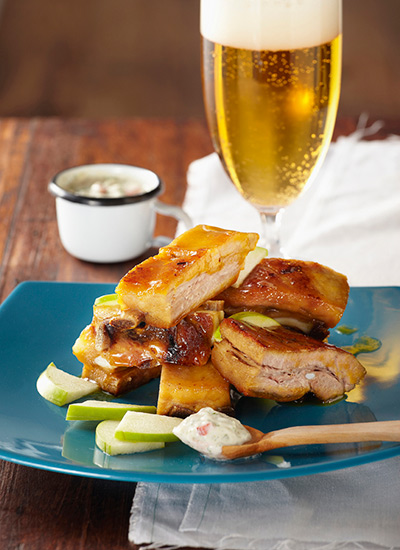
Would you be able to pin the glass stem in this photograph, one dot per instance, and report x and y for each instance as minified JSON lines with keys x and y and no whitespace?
{"x":270,"y":223}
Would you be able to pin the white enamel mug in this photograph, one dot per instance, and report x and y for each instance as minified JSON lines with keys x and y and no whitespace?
{"x":107,"y":229}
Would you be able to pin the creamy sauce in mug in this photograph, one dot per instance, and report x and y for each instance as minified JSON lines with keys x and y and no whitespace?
{"x":208,"y":431}
{"x":105,"y":186}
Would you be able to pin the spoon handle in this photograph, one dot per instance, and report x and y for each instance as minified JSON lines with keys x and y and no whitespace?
{"x":335,"y":433}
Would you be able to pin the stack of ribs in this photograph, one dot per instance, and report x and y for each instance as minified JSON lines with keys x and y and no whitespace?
{"x":164,"y":321}
{"x":168,"y":308}
{"x":287,"y":361}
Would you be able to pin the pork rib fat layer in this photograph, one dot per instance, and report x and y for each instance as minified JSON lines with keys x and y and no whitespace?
{"x":306,"y":290}
{"x":283,"y":365}
{"x":195,"y":267}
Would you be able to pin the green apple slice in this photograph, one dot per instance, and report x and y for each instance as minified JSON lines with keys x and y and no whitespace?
{"x":107,"y":300}
{"x":253,"y":258}
{"x":104,"y":410}
{"x":255,"y":318}
{"x":251,"y":318}
{"x":137,"y":426}
{"x":61,"y":388}
{"x":302,"y":325}
{"x":106,"y":441}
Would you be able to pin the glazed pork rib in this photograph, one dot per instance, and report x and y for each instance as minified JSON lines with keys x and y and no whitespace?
{"x":195,"y":267}
{"x":186,"y":390}
{"x":120,"y":358}
{"x":121,"y":380}
{"x":306,"y":294}
{"x":280,"y":364}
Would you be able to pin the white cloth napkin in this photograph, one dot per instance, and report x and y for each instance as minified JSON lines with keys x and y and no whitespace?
{"x":349,"y":219}
{"x":352,"y":509}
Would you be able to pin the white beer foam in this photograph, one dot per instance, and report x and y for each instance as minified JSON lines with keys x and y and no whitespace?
{"x":270,"y":24}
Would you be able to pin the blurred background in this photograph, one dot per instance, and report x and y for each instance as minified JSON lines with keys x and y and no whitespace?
{"x":110,"y":58}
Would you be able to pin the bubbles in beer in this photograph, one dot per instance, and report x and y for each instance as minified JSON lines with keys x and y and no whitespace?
{"x":271,"y":115}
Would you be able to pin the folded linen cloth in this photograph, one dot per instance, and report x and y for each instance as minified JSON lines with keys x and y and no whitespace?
{"x":356,"y":508}
{"x":349,"y":219}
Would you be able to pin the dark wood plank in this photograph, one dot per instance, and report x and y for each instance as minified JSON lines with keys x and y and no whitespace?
{"x":36,"y":151}
{"x":15,"y":140}
{"x":120,"y":58}
{"x":32,"y":151}
{"x":43,"y":510}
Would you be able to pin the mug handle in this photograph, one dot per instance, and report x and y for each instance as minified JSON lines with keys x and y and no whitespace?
{"x":175,"y":212}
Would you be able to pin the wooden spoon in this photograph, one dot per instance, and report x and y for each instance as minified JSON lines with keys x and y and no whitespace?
{"x":306,"y":435}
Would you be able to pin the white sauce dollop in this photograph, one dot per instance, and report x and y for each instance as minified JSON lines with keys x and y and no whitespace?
{"x":104,"y":186}
{"x":208,"y":431}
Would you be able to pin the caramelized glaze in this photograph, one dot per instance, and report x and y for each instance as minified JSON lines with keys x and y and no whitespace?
{"x":308,"y":289}
{"x":194,"y":268}
{"x":280,"y":364}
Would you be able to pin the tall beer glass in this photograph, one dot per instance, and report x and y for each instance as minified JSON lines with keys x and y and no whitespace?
{"x":271,"y":81}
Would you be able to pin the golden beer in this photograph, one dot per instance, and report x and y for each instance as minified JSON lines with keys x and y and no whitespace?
{"x":271,"y":115}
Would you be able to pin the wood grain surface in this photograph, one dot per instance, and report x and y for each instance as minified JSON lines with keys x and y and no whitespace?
{"x":120,"y":58}
{"x":32,"y":151}
{"x":42,"y":510}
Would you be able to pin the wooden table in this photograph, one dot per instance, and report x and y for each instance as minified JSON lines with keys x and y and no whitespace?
{"x":42,"y":510}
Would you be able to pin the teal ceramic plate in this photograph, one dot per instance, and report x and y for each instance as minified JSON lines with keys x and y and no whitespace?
{"x":39,"y":323}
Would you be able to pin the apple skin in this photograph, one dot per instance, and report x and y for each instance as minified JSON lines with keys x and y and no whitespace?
{"x":136,"y":426}
{"x":255,"y":318}
{"x":106,"y":441}
{"x":253,"y":258}
{"x":61,"y":388}
{"x":102,"y":410}
{"x":106,"y":300}
{"x":251,"y":318}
